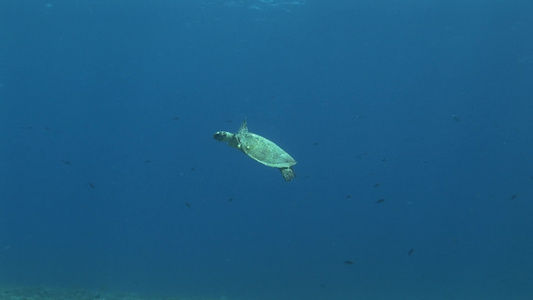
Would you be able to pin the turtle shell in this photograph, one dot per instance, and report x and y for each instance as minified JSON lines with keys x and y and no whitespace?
{"x":263,"y":150}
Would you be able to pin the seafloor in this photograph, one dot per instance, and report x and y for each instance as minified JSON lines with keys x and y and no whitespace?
{"x":49,"y":293}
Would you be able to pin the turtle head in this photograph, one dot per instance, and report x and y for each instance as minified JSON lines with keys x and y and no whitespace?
{"x":227,"y":137}
{"x":221,"y":136}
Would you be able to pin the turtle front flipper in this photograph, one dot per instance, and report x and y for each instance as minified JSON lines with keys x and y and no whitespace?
{"x":288,"y":173}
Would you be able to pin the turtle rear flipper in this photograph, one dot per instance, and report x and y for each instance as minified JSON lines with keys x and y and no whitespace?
{"x":288,"y":173}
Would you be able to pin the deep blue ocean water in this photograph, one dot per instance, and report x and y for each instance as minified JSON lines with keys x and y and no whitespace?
{"x":411,"y":121}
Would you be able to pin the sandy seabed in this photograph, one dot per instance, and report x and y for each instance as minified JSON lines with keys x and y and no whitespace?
{"x":49,"y":293}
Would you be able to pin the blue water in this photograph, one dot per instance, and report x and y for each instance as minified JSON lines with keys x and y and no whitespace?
{"x":110,"y":177}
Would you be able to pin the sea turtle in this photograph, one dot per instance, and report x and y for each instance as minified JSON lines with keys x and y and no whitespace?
{"x":260,"y":149}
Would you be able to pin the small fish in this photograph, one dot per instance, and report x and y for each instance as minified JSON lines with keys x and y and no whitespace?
{"x":380,"y":201}
{"x":66,"y":162}
{"x":176,"y":118}
{"x":377,"y":184}
{"x":362,"y":154}
{"x":348,"y":196}
{"x":410,"y":252}
{"x":456,"y":118}
{"x":315,"y":144}
{"x":230,"y":199}
{"x":92,"y":186}
{"x":348,"y":262}
{"x":514,"y":196}
{"x":188,"y":204}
